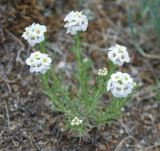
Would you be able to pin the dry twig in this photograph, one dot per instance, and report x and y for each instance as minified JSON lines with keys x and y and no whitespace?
{"x":121,"y":143}
{"x":149,"y":148}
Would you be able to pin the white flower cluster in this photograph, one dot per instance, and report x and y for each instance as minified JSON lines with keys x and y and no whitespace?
{"x":34,"y":34}
{"x":102,"y":72}
{"x":76,"y":121}
{"x":39,"y":62}
{"x":118,"y":55}
{"x":75,"y":22}
{"x":120,"y":84}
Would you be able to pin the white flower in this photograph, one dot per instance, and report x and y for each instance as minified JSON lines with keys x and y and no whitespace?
{"x":118,"y":55}
{"x":102,"y":72}
{"x":120,"y":84}
{"x":45,"y":60}
{"x":30,"y":61}
{"x":39,"y":62}
{"x":34,"y":34}
{"x":75,"y":22}
{"x":36,"y":55}
{"x":76,"y":121}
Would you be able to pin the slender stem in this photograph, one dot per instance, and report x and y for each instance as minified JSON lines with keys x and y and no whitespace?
{"x":45,"y":79}
{"x":80,"y":68}
{"x":111,"y":69}
{"x":42,"y":48}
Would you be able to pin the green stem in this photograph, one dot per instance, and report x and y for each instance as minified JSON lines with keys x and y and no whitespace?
{"x":50,"y":93}
{"x":80,"y":68}
{"x":111,"y":70}
{"x":42,"y":48}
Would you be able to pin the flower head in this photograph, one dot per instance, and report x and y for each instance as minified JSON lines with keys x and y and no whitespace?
{"x":34,"y":34}
{"x":102,"y":72}
{"x":76,"y":121}
{"x":120,"y":84}
{"x":118,"y":55}
{"x":39,"y":62}
{"x":75,"y":22}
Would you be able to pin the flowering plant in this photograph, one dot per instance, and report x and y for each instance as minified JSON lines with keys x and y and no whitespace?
{"x":80,"y":100}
